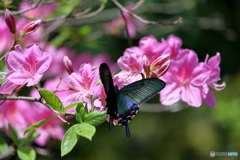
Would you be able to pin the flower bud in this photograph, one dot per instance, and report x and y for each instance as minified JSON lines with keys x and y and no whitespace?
{"x":68,"y":64}
{"x":159,"y":62}
{"x":146,"y":64}
{"x":163,"y":69}
{"x":31,"y":27}
{"x":10,"y":21}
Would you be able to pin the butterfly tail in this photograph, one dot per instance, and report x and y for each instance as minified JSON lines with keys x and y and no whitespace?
{"x":127,"y":130}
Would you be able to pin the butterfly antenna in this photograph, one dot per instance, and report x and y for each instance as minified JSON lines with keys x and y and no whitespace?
{"x":127,"y":130}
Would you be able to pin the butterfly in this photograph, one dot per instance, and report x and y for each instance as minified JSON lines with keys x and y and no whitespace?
{"x":123,"y":104}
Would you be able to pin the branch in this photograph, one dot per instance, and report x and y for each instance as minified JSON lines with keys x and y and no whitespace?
{"x":126,"y":29}
{"x":20,"y":98}
{"x":123,"y":9}
{"x":26,"y":10}
{"x":138,"y":4}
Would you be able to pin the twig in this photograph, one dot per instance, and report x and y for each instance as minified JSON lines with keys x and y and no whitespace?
{"x":102,"y":6}
{"x":62,"y":90}
{"x":138,"y":4}
{"x":20,"y":98}
{"x":127,"y":32}
{"x":26,"y":10}
{"x":123,"y":9}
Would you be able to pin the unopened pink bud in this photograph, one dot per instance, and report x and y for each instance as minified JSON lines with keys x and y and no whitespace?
{"x":10,"y":21}
{"x":163,"y":69}
{"x":68,"y":64}
{"x":146,"y":64}
{"x":153,"y":75}
{"x":159,"y":62}
{"x":31,"y":27}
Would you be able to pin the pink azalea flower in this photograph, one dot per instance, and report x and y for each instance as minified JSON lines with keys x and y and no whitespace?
{"x":26,"y":66}
{"x":131,"y":62}
{"x":83,"y":84}
{"x":213,"y":64}
{"x":7,"y":87}
{"x":153,"y":49}
{"x":11,"y":112}
{"x":175,"y":44}
{"x":51,"y":129}
{"x":186,"y":79}
{"x":100,"y":102}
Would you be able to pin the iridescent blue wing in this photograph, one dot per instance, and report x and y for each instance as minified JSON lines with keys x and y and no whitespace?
{"x":134,"y":94}
{"x":141,"y":91}
{"x":107,"y":81}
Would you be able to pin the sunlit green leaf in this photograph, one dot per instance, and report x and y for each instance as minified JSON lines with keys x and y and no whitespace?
{"x":85,"y":130}
{"x":26,"y":153}
{"x":51,"y":100}
{"x":80,"y":113}
{"x":72,"y":105}
{"x":29,"y":138}
{"x":3,"y":146}
{"x":69,"y":141}
{"x":39,"y":124}
{"x":96,"y":117}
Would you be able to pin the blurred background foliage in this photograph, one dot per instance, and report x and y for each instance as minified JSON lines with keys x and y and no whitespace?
{"x":209,"y":26}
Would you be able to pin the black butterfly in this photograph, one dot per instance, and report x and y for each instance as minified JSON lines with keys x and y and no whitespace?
{"x":123,"y":104}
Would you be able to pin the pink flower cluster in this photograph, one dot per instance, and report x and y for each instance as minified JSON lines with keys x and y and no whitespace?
{"x":26,"y":67}
{"x":187,"y":79}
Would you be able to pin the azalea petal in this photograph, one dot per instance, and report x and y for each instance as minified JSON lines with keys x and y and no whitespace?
{"x":7,"y":87}
{"x":74,"y":81}
{"x":192,"y":95}
{"x":15,"y":61}
{"x":18,"y":78}
{"x":191,"y":61}
{"x":200,"y":74}
{"x":214,"y":61}
{"x":170,"y":94}
{"x":34,"y":80}
{"x":210,"y":99}
{"x":43,"y":138}
{"x":85,"y":71}
{"x":32,"y":53}
{"x":44,"y":62}
{"x":175,"y":44}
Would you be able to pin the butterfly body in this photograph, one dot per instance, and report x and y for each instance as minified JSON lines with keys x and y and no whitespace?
{"x":123,"y":104}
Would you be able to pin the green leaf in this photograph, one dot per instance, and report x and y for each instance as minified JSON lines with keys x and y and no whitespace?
{"x":26,"y":153}
{"x":69,"y":141}
{"x":72,"y":105}
{"x":80,"y":113}
{"x":52,"y":101}
{"x":40,"y":123}
{"x":85,"y":130}
{"x":3,"y":146}
{"x":29,"y":138}
{"x":96,"y":117}
{"x":13,"y":134}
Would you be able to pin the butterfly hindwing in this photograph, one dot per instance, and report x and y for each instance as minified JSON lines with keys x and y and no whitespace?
{"x":123,"y":104}
{"x":141,"y":91}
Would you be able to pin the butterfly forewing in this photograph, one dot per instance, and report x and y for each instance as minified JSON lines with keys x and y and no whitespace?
{"x":141,"y":91}
{"x":107,"y":81}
